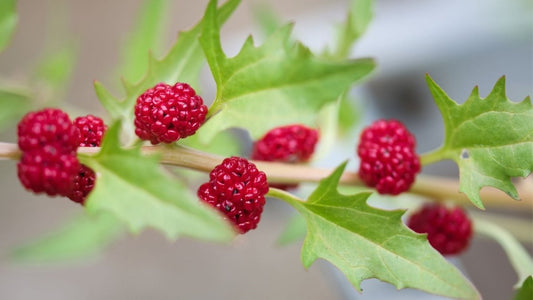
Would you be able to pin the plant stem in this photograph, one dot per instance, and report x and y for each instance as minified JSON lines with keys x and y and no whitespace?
{"x":437,"y":188}
{"x":431,"y":157}
{"x":518,"y":256}
{"x":281,"y":194}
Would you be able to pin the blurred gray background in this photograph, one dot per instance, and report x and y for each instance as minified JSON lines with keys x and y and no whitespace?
{"x":459,"y":43}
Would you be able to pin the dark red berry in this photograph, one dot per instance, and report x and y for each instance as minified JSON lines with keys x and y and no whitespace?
{"x":48,"y":170}
{"x":166,"y":113}
{"x":91,"y":130}
{"x":47,"y":127}
{"x":448,"y":230}
{"x":388,"y":158}
{"x":83,"y":184}
{"x":237,"y":189}
{"x":288,"y":144}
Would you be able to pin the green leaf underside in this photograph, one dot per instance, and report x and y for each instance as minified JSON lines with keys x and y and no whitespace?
{"x":490,"y":139}
{"x":526,"y":291}
{"x":183,"y":63}
{"x":365,"y":242}
{"x":144,"y":38}
{"x":134,"y":188}
{"x":84,"y":236}
{"x":277,"y":83}
{"x":8,"y":21}
{"x":55,"y":68}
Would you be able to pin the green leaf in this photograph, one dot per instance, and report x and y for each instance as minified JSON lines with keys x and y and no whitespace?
{"x":295,"y":230}
{"x":144,"y":38}
{"x":14,"y":102}
{"x":359,"y":16}
{"x":266,"y":18}
{"x":517,"y":254}
{"x":526,"y":291}
{"x":365,"y":242}
{"x":224,"y":144}
{"x":490,"y":139}
{"x":182,"y":64}
{"x":55,"y":68}
{"x":83,"y":236}
{"x":135,"y":189}
{"x":8,"y":21}
{"x":277,"y":83}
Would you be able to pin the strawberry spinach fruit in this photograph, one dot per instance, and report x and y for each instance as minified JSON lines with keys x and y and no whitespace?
{"x":278,"y":92}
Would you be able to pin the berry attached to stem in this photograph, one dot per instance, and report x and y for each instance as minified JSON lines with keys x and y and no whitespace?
{"x":92,"y":130}
{"x":167,"y":113}
{"x":237,"y":189}
{"x":448,"y":230}
{"x":388,"y":158}
{"x":288,"y":144}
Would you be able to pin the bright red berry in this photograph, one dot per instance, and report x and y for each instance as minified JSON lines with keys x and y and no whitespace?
{"x":47,"y":127}
{"x":166,"y":113}
{"x":292,"y":144}
{"x":92,"y":130}
{"x":388,"y":158}
{"x":48,"y":170}
{"x":448,"y":230}
{"x":237,"y":189}
{"x":289,"y":144}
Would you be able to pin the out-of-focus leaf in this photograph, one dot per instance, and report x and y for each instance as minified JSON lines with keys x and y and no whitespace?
{"x":83,"y":236}
{"x":526,"y":291}
{"x":8,"y":21}
{"x":294,"y":231}
{"x":14,"y":102}
{"x":145,"y":38}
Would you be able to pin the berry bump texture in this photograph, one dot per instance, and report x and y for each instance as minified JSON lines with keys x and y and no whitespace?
{"x":388,"y":158}
{"x":166,"y":113}
{"x":448,"y":230}
{"x":288,"y":144}
{"x":237,"y":189}
{"x":48,"y":141}
{"x":92,"y":130}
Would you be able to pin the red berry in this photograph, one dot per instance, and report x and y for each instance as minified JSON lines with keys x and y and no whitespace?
{"x":448,"y":230}
{"x":292,"y":144}
{"x":48,"y":170}
{"x":83,"y":184}
{"x":167,"y":113}
{"x":237,"y":189}
{"x":289,"y":144}
{"x":47,"y":127}
{"x":91,"y":130}
{"x":388,"y":158}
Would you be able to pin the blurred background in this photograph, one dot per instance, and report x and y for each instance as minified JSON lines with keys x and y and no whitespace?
{"x":459,"y":43}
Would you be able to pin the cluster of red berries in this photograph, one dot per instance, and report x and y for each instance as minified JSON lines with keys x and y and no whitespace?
{"x":388,"y":158}
{"x":287,"y":144}
{"x":49,"y":140}
{"x":237,"y":189}
{"x":448,"y":230}
{"x":166,"y":113}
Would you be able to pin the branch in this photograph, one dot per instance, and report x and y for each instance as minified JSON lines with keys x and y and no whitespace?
{"x":434,"y":187}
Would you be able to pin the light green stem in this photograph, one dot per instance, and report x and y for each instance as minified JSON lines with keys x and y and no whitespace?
{"x":518,"y":256}
{"x":432,"y":157}
{"x":282,"y":195}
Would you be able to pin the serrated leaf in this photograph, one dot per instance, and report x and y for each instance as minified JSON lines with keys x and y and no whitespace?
{"x":8,"y":21}
{"x":490,"y":139}
{"x":277,"y":83}
{"x":134,"y":189}
{"x":83,"y":236}
{"x":266,"y":18}
{"x":357,"y":20}
{"x":14,"y":102}
{"x":526,"y":291}
{"x":365,"y":242}
{"x":182,"y":64}
{"x":145,"y":37}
